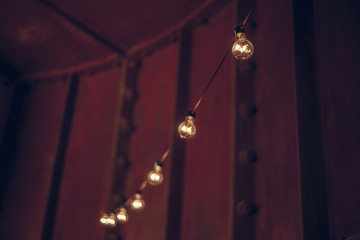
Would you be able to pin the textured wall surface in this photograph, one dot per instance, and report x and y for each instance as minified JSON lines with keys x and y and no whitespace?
{"x":339,"y":89}
{"x":207,"y":199}
{"x":36,"y":128}
{"x":60,"y":153}
{"x":277,"y":175}
{"x":154,"y":121}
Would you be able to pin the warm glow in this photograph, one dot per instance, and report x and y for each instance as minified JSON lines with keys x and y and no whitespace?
{"x":103,"y":220}
{"x":242,"y":48}
{"x":155,"y":177}
{"x":137,"y":203}
{"x":108,"y":219}
{"x":122,"y":216}
{"x":111,"y":221}
{"x":187,"y":128}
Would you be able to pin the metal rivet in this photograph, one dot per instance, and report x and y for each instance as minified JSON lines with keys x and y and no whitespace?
{"x":130,"y":94}
{"x":245,"y":156}
{"x":122,"y":162}
{"x":125,"y":126}
{"x":245,"y":209}
{"x":246,"y":110}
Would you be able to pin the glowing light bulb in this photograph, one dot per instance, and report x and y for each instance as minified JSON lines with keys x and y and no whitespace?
{"x":187,"y":128}
{"x":242,"y":48}
{"x":137,"y":204}
{"x":122,"y":216}
{"x":155,"y":177}
{"x":108,"y":219}
{"x":104,"y":218}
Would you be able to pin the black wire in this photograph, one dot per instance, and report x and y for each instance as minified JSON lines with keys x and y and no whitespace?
{"x":211,"y":79}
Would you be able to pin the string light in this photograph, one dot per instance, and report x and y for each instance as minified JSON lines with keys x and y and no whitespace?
{"x":187,"y":128}
{"x":137,"y":203}
{"x":155,"y":177}
{"x":108,"y":219}
{"x":242,"y":48}
{"x":122,"y":215}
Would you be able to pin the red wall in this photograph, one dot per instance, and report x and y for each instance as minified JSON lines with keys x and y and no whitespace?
{"x":35,"y":126}
{"x":154,"y":122}
{"x":207,"y":199}
{"x":277,"y":172}
{"x":31,"y":166}
{"x":338,"y":52}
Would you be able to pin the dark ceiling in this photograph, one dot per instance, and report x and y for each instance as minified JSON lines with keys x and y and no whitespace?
{"x":40,"y":38}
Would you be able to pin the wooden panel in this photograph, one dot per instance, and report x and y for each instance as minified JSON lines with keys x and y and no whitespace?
{"x":6,"y":93}
{"x":90,"y":154}
{"x":312,"y":164}
{"x":32,"y":141}
{"x":338,"y":36}
{"x":207,"y":199}
{"x":153,"y":118}
{"x":277,"y":177}
{"x":159,"y":16}
{"x":175,"y":200}
{"x":37,"y":40}
{"x":245,"y":118}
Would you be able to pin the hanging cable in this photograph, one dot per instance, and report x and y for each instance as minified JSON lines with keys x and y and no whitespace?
{"x":240,"y":47}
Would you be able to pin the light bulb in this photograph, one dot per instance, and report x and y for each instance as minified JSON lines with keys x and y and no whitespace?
{"x":155,"y":177}
{"x":104,"y":218}
{"x":137,"y":204}
{"x":108,"y":219}
{"x":122,"y":216}
{"x":242,"y":48}
{"x":187,"y":128}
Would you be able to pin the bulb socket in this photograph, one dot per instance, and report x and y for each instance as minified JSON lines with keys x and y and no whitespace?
{"x":239,"y":29}
{"x":158,"y":164}
{"x":138,"y":192}
{"x":191,"y":114}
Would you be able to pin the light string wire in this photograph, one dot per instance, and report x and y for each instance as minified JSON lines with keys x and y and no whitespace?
{"x":212,"y":78}
{"x":249,"y":13}
{"x":166,"y":153}
{"x":144,"y":184}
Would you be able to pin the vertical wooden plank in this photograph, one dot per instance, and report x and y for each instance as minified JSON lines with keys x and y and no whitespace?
{"x":276,"y":138}
{"x":312,"y":163}
{"x":31,"y":141}
{"x":207,"y":197}
{"x":337,"y":37}
{"x":153,"y":119}
{"x":53,"y":199}
{"x":6,"y":92}
{"x":175,"y":203}
{"x":90,"y":155}
{"x":125,"y":130}
{"x":244,"y":164}
{"x":6,"y":95}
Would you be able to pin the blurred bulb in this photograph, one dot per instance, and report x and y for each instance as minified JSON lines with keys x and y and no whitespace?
{"x":137,"y":203}
{"x":242,"y":48}
{"x":122,"y":216}
{"x":187,"y":128}
{"x":104,"y":218}
{"x":155,"y":177}
{"x":108,"y":219}
{"x":111,"y":220}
